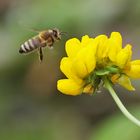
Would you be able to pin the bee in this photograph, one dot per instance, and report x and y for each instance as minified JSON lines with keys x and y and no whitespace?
{"x":44,"y":38}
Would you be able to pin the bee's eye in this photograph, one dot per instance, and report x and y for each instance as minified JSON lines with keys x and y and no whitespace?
{"x":55,"y":33}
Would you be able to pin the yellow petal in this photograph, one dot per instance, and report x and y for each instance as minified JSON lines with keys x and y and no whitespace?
{"x":85,"y":40}
{"x":115,"y":45}
{"x":84,"y":62}
{"x":89,"y":57}
{"x":135,"y":62}
{"x":72,"y":47}
{"x":79,"y":68}
{"x":69,"y":87}
{"x":125,"y":82}
{"x":124,"y":56}
{"x":117,"y":38}
{"x":65,"y":66}
{"x":102,"y":49}
{"x":134,"y":71}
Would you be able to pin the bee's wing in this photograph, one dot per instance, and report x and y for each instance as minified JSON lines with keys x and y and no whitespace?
{"x":34,"y":30}
{"x":29,"y":28}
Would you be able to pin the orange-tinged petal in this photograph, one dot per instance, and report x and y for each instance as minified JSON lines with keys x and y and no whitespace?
{"x":115,"y":78}
{"x":125,"y":82}
{"x":124,"y":56}
{"x":69,"y":87}
{"x":72,"y":47}
{"x":88,"y":89}
{"x":134,"y":71}
{"x":66,"y":66}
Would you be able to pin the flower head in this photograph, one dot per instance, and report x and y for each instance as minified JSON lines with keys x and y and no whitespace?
{"x":92,"y":60}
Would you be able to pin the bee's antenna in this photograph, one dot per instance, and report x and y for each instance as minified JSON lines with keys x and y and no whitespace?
{"x":63,"y":33}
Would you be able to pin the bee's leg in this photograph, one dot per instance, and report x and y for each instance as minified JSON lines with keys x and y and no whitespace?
{"x":50,"y":42}
{"x":40,"y":54}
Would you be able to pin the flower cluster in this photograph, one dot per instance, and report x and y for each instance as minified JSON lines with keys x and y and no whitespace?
{"x":91,"y":61}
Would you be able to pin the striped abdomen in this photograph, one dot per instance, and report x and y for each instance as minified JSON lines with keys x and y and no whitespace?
{"x":31,"y":45}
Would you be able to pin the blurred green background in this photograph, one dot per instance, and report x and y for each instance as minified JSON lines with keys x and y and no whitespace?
{"x":31,"y":108}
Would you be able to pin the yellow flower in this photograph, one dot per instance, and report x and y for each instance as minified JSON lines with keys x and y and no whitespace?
{"x":77,"y":66}
{"x":92,"y":60}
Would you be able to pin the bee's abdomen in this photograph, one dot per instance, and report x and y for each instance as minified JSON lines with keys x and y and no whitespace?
{"x":30,"y":45}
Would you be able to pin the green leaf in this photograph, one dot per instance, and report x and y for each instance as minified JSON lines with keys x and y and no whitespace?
{"x":102,"y":72}
{"x":112,"y":69}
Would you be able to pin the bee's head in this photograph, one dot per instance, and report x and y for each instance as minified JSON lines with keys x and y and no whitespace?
{"x":57,"y":34}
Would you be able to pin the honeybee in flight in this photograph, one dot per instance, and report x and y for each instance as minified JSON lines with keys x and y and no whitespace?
{"x":43,"y":39}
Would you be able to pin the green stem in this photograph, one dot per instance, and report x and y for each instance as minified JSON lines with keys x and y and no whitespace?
{"x":120,"y":105}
